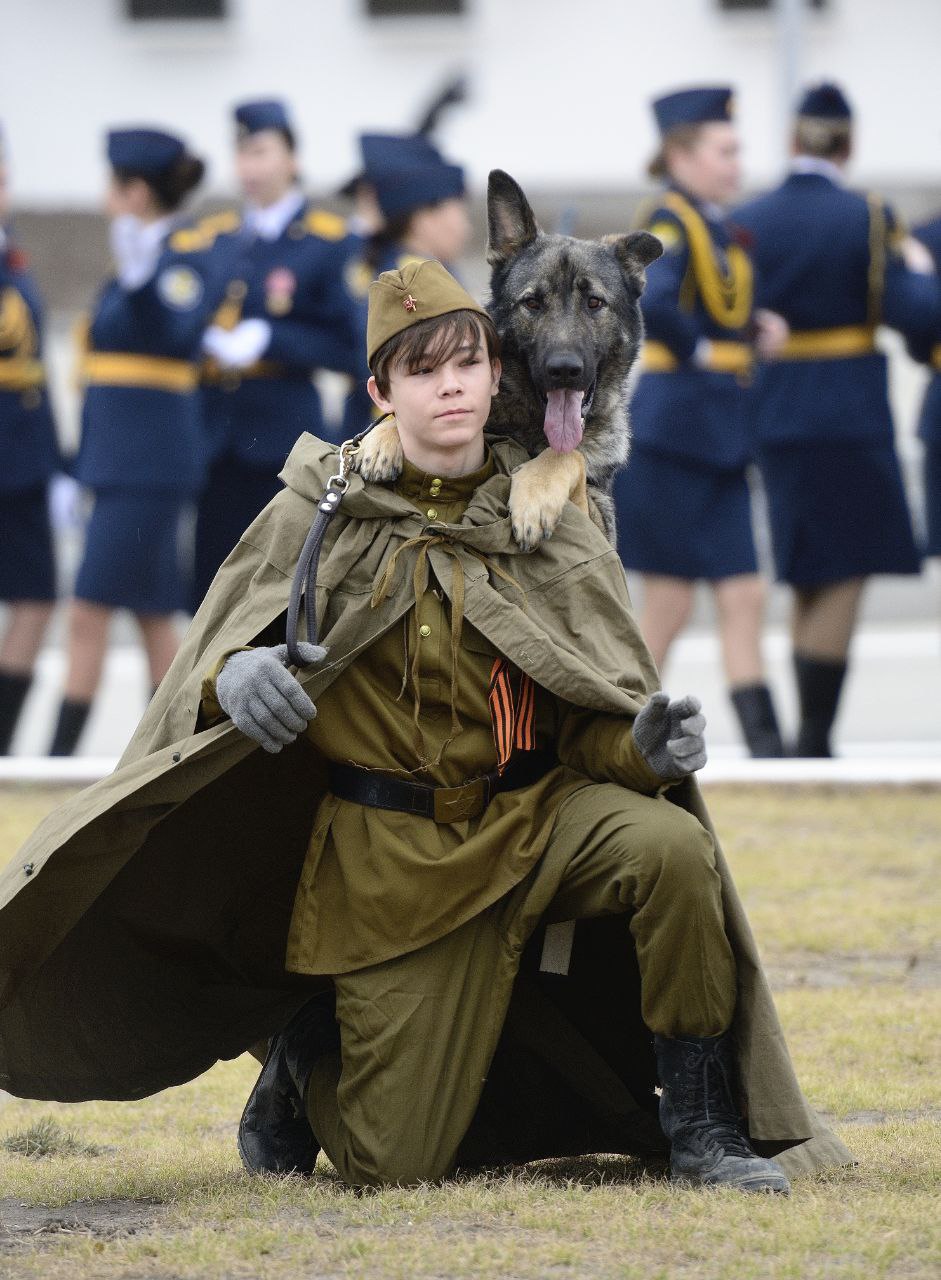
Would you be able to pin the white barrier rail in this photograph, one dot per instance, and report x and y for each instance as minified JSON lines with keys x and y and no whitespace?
{"x":901,"y":771}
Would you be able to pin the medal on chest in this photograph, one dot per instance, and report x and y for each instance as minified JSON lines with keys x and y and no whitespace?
{"x":280,"y":287}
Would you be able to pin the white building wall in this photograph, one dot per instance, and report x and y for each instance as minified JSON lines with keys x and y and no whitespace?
{"x":560,"y":86}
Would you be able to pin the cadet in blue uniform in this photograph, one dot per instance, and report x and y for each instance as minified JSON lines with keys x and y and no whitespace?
{"x":141,"y":450}
{"x":423,"y":210}
{"x":683,"y":503}
{"x":828,"y":260}
{"x":288,"y":312}
{"x":29,"y":456}
{"x":927,"y":348}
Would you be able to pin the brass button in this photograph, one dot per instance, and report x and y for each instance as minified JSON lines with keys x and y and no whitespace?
{"x":424,"y":630}
{"x":432,"y":513}
{"x":237,"y":290}
{"x":435,"y":488}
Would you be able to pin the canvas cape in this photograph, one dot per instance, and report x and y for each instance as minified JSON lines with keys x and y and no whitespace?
{"x":143,"y":925}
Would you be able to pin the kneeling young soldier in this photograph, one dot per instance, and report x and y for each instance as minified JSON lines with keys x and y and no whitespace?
{"x":495,"y":760}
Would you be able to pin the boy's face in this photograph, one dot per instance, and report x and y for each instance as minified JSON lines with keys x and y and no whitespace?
{"x":445,"y":407}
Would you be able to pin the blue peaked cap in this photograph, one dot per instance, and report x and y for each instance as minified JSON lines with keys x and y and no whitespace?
{"x":383,"y":152}
{"x":407,"y":172}
{"x":143,"y":150}
{"x":252,"y":117}
{"x":693,"y":106}
{"x":827,"y":102}
{"x":400,"y":191}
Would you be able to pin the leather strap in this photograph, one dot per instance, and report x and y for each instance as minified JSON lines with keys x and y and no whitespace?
{"x":442,"y":804}
{"x":305,"y":575}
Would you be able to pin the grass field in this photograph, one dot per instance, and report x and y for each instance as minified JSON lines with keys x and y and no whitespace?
{"x":842,"y":891}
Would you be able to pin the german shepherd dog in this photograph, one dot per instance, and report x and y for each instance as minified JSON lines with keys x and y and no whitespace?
{"x":568,"y":315}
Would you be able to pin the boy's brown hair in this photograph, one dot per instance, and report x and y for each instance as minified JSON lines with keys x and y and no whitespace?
{"x":430,"y":343}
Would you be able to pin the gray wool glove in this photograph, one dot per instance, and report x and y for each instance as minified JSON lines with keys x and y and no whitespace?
{"x":669,"y":735}
{"x":262,"y":698}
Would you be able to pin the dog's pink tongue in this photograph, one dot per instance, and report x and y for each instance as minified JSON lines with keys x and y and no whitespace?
{"x":563,"y":424}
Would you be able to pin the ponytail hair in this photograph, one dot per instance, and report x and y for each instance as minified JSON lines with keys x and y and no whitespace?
{"x":170,"y":186}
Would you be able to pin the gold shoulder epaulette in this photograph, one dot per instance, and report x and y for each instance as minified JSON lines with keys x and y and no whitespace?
{"x":204,"y":233}
{"x":329,"y":226}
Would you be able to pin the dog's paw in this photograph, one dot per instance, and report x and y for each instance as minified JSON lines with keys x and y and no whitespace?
{"x":380,"y":456}
{"x":536,"y":503}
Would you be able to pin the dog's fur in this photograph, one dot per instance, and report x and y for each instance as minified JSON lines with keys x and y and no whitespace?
{"x":540,"y":286}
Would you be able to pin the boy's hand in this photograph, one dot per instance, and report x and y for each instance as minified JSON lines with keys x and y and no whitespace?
{"x":262,"y":698}
{"x":669,"y":735}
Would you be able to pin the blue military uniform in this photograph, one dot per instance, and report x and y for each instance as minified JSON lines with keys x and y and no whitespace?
{"x":296,"y":282}
{"x":827,"y":261}
{"x":927,"y":348}
{"x":683,"y":500}
{"x":142,"y":449}
{"x":29,"y":453}
{"x":407,"y":173}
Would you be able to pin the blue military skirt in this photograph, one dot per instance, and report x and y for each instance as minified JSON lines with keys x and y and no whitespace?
{"x":932,"y":476}
{"x":838,"y":511}
{"x":132,"y":557}
{"x":682,"y":518}
{"x":27,"y":563}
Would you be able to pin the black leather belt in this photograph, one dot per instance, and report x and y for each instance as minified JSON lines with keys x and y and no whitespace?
{"x":442,"y":804}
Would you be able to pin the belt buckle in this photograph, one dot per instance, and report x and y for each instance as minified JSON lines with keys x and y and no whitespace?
{"x":455,"y":804}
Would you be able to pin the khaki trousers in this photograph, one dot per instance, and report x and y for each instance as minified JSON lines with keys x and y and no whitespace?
{"x":418,"y":1032}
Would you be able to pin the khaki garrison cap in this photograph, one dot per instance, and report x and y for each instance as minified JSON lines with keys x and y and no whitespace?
{"x":419,"y":291}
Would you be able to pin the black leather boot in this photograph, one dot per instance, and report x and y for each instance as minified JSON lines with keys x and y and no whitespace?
{"x":699,"y":1115}
{"x":819,"y":685}
{"x":756,"y":715}
{"x":274,"y":1133}
{"x":69,"y":726}
{"x":13,"y":691}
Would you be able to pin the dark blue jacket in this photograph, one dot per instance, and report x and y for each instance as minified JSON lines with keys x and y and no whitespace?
{"x":29,"y":453}
{"x":927,"y":345}
{"x":142,"y":425}
{"x":826,"y":259}
{"x":688,"y":412}
{"x":299,"y":283}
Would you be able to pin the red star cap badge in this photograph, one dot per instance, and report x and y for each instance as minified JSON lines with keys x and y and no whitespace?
{"x":409,"y":303}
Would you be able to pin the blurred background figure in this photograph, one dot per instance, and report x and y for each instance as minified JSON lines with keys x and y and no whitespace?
{"x":288,"y":311}
{"x":141,"y":447}
{"x":926,"y":347}
{"x":421,"y":198}
{"x":683,"y":501}
{"x":29,"y":457}
{"x":830,"y":261}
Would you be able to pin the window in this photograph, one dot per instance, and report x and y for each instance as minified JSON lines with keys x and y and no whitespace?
{"x":413,"y":8}
{"x":144,"y":10}
{"x":764,"y":4}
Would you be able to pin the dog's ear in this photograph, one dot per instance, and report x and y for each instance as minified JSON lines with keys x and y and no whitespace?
{"x":635,"y":251}
{"x":511,"y":221}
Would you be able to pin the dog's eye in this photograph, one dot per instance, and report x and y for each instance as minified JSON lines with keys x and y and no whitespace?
{"x":595,"y":303}
{"x":532,"y":304}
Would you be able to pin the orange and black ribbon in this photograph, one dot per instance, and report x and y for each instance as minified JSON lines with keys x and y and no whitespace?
{"x":512,"y":712}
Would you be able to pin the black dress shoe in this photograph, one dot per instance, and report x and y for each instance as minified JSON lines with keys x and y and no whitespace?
{"x":274,"y":1134}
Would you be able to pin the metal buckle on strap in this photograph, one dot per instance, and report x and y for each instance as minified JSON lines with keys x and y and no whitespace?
{"x":455,"y":804}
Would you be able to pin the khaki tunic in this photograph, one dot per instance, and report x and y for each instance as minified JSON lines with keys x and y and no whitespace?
{"x":370,"y":890}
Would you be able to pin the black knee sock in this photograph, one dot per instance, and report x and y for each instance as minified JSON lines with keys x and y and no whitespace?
{"x":819,"y":684}
{"x":755,"y":710}
{"x":13,"y":691}
{"x":71,"y":722}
